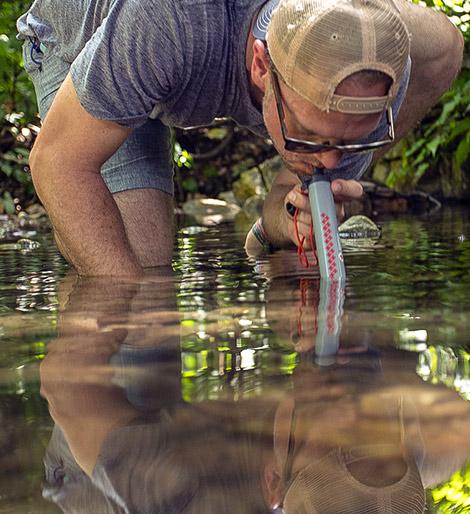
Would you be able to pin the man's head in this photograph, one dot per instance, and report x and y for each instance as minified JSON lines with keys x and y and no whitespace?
{"x":330,"y":458}
{"x":328,"y":70}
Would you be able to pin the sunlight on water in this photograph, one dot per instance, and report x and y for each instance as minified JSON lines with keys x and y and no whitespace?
{"x":193,"y":376}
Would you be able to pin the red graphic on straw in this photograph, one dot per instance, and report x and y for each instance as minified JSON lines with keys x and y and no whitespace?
{"x":330,"y":250}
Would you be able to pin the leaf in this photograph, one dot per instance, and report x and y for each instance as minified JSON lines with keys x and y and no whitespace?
{"x":190,"y":185}
{"x":420,"y":157}
{"x":420,"y":171}
{"x":415,"y":146}
{"x":6,"y":168}
{"x":448,"y":108}
{"x":462,"y":151}
{"x":8,"y":204}
{"x":21,"y":176}
{"x":459,"y":127}
{"x":433,"y":145}
{"x":24,"y":152}
{"x":217,"y":133}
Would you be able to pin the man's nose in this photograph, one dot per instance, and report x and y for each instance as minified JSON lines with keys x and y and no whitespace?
{"x":329,"y":159}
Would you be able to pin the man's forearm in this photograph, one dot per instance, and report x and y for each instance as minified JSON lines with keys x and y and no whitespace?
{"x":86,"y":219}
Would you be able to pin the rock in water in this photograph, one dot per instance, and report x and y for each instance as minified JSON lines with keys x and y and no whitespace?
{"x":359,"y":227}
{"x":27,"y":245}
{"x":211,"y":211}
{"x":24,"y":245}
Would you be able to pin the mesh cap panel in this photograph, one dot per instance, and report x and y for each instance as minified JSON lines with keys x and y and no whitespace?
{"x":315,"y":44}
{"x":327,"y":487}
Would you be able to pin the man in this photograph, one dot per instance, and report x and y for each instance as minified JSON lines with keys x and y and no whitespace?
{"x":112,"y":76}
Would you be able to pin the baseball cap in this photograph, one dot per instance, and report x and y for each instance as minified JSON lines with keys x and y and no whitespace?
{"x":327,"y":485}
{"x":316,"y":44}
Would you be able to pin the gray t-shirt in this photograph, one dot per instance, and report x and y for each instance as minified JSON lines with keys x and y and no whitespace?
{"x":182,"y":61}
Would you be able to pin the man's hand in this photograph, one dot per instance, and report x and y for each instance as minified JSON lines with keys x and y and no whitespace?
{"x":343,"y":191}
{"x":285,"y":196}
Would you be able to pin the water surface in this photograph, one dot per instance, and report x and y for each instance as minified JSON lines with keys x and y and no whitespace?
{"x":231,"y":385}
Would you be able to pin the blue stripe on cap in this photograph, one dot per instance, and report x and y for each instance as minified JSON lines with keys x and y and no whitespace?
{"x":264,"y":17}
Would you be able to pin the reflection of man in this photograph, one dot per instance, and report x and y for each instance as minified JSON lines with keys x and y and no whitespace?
{"x":361,"y":432}
{"x":113,"y":76}
{"x":361,"y":435}
{"x":355,"y":439}
{"x":365,"y":472}
{"x":125,"y":441}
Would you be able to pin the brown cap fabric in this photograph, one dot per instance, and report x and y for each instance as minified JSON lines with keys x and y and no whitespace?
{"x":327,"y":487}
{"x":315,"y":44}
{"x":327,"y":484}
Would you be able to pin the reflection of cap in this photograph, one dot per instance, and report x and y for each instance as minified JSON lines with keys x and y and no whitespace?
{"x":315,"y":44}
{"x":327,"y":485}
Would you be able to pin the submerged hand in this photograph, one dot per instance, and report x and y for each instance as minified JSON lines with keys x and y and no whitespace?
{"x":343,"y":191}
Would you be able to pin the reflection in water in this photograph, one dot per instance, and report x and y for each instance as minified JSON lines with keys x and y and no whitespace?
{"x":211,"y":358}
{"x":347,"y":431}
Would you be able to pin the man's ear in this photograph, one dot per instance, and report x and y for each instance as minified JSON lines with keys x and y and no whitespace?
{"x":273,"y":486}
{"x":259,"y":65}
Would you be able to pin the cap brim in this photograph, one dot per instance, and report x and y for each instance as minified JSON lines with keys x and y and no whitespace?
{"x":260,"y":27}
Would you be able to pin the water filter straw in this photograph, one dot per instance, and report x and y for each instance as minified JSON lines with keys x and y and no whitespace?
{"x":325,"y":226}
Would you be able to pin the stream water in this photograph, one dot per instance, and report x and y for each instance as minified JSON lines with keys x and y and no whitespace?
{"x":231,"y":385}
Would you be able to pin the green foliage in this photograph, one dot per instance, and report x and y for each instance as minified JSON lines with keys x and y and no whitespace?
{"x":182,"y":158}
{"x":16,"y":90}
{"x":441,"y":144}
{"x":453,"y":497}
{"x":17,"y":111}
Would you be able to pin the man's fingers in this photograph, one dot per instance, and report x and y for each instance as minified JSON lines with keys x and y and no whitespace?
{"x":339,"y":210}
{"x":344,"y":190}
{"x":298,"y":199}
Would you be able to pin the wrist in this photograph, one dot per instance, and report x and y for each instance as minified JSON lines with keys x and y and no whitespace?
{"x":256,"y":240}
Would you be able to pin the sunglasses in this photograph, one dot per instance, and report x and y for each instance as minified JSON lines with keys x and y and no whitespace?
{"x":301,"y":146}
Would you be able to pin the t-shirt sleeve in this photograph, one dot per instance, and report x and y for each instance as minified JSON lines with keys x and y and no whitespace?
{"x":133,"y":62}
{"x":353,"y":166}
{"x":140,"y":469}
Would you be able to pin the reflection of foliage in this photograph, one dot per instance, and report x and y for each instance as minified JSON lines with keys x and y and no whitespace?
{"x":442,"y":141}
{"x":447,"y":366}
{"x":453,"y":497}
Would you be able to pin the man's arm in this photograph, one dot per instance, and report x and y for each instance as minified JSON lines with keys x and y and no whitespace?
{"x":436,"y":58}
{"x":65,"y":167}
{"x":275,"y":216}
